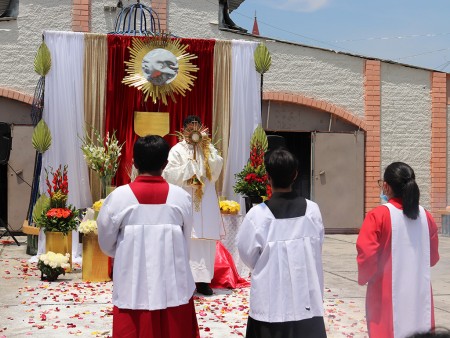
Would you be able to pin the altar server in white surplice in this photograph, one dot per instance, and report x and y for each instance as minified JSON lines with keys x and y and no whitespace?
{"x":281,"y":242}
{"x":196,"y":167}
{"x":146,"y":226}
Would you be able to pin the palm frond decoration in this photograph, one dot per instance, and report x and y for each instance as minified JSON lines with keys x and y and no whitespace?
{"x":259,"y":137}
{"x":42,"y":137}
{"x":42,"y":60}
{"x":262,"y":57}
{"x":42,"y":203}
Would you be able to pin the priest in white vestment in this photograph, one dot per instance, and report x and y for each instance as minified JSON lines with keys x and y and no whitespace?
{"x":280,"y":240}
{"x":146,"y":226}
{"x":196,"y":167}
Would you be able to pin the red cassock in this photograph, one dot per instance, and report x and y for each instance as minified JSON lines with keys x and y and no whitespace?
{"x":375,"y":268}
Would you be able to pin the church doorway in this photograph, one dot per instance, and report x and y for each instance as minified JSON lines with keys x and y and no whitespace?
{"x":331,"y":160}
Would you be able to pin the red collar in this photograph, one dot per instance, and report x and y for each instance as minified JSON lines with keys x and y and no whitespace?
{"x":396,"y":202}
{"x":149,"y":179}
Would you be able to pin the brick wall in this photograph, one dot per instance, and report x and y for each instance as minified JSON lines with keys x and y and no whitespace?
{"x":372,"y":98}
{"x":160,"y":7}
{"x":438,"y":144}
{"x":81,"y":16}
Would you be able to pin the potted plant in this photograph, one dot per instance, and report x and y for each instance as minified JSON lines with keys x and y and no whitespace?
{"x":252,"y":182}
{"x":102,"y":156}
{"x":95,"y":264}
{"x":52,"y":265}
{"x":58,"y":219}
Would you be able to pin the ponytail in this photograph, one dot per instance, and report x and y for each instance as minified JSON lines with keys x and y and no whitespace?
{"x":410,"y":197}
{"x":402,"y":180}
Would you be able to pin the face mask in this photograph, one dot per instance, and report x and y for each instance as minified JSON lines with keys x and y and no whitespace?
{"x":384,"y":198}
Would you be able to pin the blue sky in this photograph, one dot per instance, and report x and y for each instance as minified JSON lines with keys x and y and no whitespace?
{"x":415,"y":32}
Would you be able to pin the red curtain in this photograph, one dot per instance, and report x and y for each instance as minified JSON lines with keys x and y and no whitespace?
{"x":122,"y":101}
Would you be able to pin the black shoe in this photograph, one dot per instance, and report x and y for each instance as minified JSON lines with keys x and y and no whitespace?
{"x":204,"y":289}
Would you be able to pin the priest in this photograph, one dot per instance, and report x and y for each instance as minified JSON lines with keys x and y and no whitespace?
{"x":195,"y":165}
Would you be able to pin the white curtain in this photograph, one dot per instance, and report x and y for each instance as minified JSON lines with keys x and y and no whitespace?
{"x":245,"y":112}
{"x":64,"y":114}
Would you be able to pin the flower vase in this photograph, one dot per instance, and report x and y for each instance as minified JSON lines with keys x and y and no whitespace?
{"x":59,"y":243}
{"x":251,"y":201}
{"x":95,"y":262}
{"x":50,"y":277}
{"x":106,"y":187}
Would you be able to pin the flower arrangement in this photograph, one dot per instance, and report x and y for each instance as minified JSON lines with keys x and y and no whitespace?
{"x":229,"y":207}
{"x":88,"y":227}
{"x":58,"y":216}
{"x":97,"y":205}
{"x":102,"y":156}
{"x":253,"y":179}
{"x":52,"y":265}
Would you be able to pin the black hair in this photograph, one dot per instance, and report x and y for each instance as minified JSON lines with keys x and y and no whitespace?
{"x":437,"y":333}
{"x":281,"y":165}
{"x":190,"y":119}
{"x":150,"y":153}
{"x":402,"y":180}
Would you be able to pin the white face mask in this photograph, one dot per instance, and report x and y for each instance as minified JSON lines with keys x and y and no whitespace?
{"x":384,"y":198}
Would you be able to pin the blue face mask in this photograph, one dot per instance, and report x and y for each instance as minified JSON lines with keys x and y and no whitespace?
{"x":384,"y":198}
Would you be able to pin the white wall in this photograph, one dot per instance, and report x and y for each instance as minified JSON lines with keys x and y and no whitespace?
{"x":20,"y":39}
{"x":315,"y":73}
{"x":406,"y":122}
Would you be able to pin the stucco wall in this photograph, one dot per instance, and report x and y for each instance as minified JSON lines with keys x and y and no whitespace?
{"x":406,"y":121}
{"x":102,"y":21}
{"x":20,"y":39}
{"x":315,"y":73}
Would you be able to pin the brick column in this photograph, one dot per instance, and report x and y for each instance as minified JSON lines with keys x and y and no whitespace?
{"x":438,"y":144}
{"x":81,"y":16}
{"x":160,"y":7}
{"x":372,"y":110}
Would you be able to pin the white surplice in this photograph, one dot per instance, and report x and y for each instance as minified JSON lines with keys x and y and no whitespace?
{"x":149,"y":243}
{"x":285,"y":258}
{"x":411,"y":302}
{"x":208,"y":225}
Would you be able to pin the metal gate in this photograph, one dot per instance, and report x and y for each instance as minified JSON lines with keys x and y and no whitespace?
{"x":337,"y":184}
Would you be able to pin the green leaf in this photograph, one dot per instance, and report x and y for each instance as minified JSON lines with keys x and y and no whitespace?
{"x":42,"y":137}
{"x":42,"y":60}
{"x":263,"y":60}
{"x":43,"y":203}
{"x":259,"y":136}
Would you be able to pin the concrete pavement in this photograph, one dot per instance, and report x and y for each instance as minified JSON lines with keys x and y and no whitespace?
{"x":69,"y":307}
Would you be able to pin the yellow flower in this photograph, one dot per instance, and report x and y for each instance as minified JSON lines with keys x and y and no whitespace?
{"x":97,"y":205}
{"x":229,"y":207}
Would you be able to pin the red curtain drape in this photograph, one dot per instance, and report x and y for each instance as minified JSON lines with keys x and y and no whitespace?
{"x":122,"y":101}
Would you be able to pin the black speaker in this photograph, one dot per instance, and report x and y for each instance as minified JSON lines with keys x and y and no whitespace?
{"x":5,"y":142}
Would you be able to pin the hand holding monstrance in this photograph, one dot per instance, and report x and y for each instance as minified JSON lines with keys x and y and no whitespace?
{"x":196,"y":135}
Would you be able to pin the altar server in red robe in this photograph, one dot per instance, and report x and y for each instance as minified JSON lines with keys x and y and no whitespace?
{"x":146,"y":226}
{"x":396,"y":246}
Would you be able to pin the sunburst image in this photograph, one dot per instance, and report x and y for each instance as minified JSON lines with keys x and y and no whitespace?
{"x":160,"y":67}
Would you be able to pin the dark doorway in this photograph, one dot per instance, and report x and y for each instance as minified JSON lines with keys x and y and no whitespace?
{"x":300,"y":145}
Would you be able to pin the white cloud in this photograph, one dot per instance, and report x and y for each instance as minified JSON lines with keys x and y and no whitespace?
{"x":299,"y":5}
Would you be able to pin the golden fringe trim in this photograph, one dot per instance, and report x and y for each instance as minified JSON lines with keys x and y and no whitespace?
{"x":198,"y":195}
{"x":206,"y":154}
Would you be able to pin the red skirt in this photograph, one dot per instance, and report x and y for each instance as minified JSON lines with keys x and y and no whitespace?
{"x":173,"y":322}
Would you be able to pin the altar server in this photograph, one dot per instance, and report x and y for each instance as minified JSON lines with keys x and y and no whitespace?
{"x":195,"y":165}
{"x":396,"y":246}
{"x":281,"y":241}
{"x":146,"y":226}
